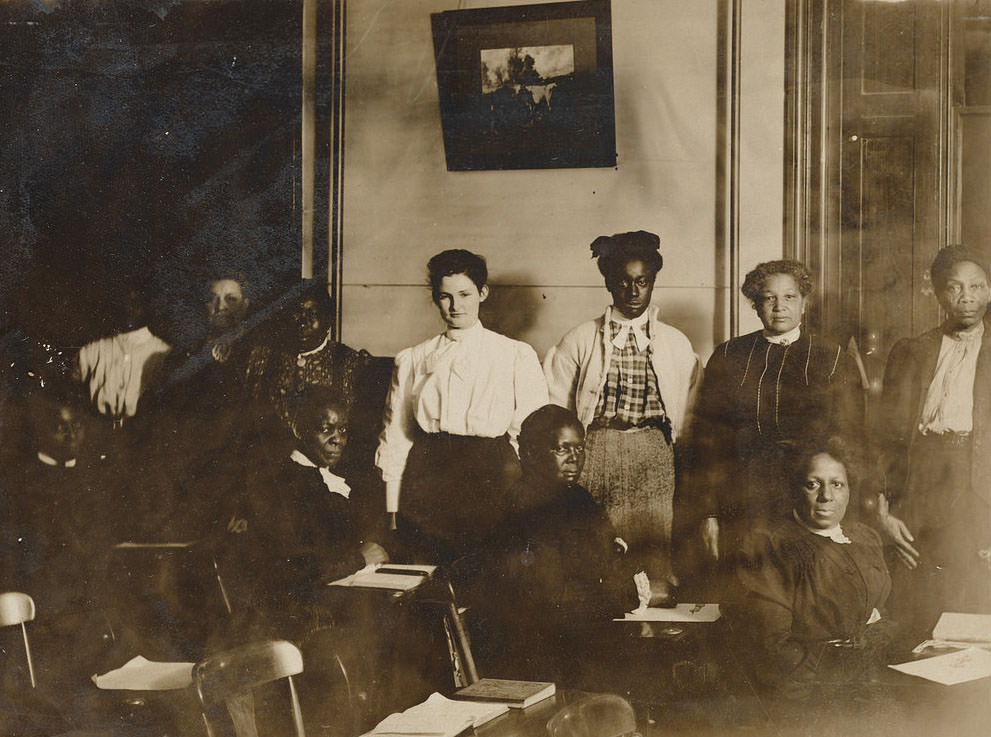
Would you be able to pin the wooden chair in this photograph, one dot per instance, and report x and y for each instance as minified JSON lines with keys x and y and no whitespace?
{"x":18,"y":608}
{"x":599,"y":715}
{"x":227,"y":682}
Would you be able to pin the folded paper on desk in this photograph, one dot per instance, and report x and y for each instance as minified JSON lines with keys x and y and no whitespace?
{"x":680,"y":613}
{"x":514,"y":694}
{"x":959,"y":667}
{"x":398,"y":577}
{"x":140,"y":674}
{"x":437,"y":717}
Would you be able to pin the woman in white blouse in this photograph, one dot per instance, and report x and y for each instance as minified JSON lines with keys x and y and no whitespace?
{"x":448,"y":449}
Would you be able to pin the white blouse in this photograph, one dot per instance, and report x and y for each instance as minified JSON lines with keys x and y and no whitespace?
{"x":463,"y":382}
{"x":949,"y":405}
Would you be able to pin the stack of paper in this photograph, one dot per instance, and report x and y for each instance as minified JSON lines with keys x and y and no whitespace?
{"x":140,"y":674}
{"x":955,"y":629}
{"x":680,"y":613}
{"x":958,"y":667}
{"x":395,"y":576}
{"x":437,"y":717}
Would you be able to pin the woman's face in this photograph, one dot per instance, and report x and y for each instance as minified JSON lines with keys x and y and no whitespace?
{"x":631,"y":288}
{"x":325,"y":439}
{"x":825,"y":493}
{"x":310,"y":326}
{"x":560,"y":463}
{"x":458,"y":299}
{"x":780,"y":305}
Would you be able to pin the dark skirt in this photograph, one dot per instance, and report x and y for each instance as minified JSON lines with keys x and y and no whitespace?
{"x":454,"y":493}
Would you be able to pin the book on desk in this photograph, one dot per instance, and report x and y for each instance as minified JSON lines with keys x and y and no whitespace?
{"x":514,"y":694}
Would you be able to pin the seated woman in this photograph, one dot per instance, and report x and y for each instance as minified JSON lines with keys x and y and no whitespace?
{"x":812,"y":587}
{"x":558,"y":571}
{"x":300,"y":527}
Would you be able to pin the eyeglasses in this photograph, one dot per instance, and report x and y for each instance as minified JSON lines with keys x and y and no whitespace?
{"x":565,"y":450}
{"x":341,"y":430}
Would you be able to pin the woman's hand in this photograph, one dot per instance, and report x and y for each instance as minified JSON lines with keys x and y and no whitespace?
{"x":710,"y":537}
{"x":895,"y":529}
{"x":391,"y":521}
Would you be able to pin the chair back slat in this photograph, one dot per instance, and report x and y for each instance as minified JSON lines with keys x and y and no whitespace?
{"x":226,"y":682}
{"x":15,"y":608}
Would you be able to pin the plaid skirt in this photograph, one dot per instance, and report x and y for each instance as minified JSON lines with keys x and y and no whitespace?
{"x":631,"y":474}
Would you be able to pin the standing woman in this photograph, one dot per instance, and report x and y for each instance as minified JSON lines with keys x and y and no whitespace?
{"x":448,"y":451}
{"x":629,"y":377}
{"x":763,"y":393}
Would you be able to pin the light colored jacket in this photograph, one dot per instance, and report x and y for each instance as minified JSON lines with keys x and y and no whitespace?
{"x":576,"y":369}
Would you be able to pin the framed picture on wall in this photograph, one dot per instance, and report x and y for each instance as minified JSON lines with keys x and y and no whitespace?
{"x":526,"y":86}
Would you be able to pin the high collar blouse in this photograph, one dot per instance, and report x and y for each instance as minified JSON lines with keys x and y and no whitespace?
{"x":468,"y":382}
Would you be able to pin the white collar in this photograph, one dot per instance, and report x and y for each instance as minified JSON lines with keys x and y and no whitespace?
{"x":335,"y":484}
{"x":49,"y":461}
{"x":972,"y":333}
{"x":785,"y":338}
{"x":638,"y":326}
{"x":304,"y":354}
{"x":833,"y":533}
{"x":459,"y":334}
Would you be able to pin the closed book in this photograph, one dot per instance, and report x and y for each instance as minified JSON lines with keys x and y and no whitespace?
{"x":514,"y":694}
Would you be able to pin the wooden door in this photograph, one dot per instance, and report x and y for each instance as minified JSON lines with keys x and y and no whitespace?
{"x":891,"y":145}
{"x":867,"y":125}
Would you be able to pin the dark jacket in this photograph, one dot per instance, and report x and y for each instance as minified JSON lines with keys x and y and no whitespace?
{"x":907,"y":376}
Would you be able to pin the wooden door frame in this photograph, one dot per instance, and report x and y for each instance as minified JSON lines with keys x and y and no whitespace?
{"x":812,"y":147}
{"x":321,"y":187}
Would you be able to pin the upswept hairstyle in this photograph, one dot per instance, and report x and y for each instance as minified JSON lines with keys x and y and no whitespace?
{"x":615,"y":251}
{"x":317,"y":290}
{"x":456,"y":261}
{"x":306,"y":407}
{"x":948,"y":257}
{"x":538,"y":429}
{"x":799,"y":456}
{"x":753,"y":284}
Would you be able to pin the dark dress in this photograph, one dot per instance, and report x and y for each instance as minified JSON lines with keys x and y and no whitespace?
{"x":276,"y":376}
{"x":757,"y":399}
{"x":803,"y":604}
{"x":554,"y":578}
{"x":56,"y":548}
{"x":287,"y":536}
{"x":940,"y":489}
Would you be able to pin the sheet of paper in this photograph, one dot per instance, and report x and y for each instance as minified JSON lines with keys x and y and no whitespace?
{"x":959,"y":667}
{"x":405,"y":578}
{"x":437,"y":717}
{"x":959,"y":627}
{"x":679,"y":613}
{"x":152,"y":546}
{"x":140,"y":674}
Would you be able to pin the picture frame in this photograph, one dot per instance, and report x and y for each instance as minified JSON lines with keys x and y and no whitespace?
{"x":526,"y":86}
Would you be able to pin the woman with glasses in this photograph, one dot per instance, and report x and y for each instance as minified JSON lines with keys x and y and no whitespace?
{"x":630,"y":378}
{"x":558,"y":572}
{"x":762,"y":394}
